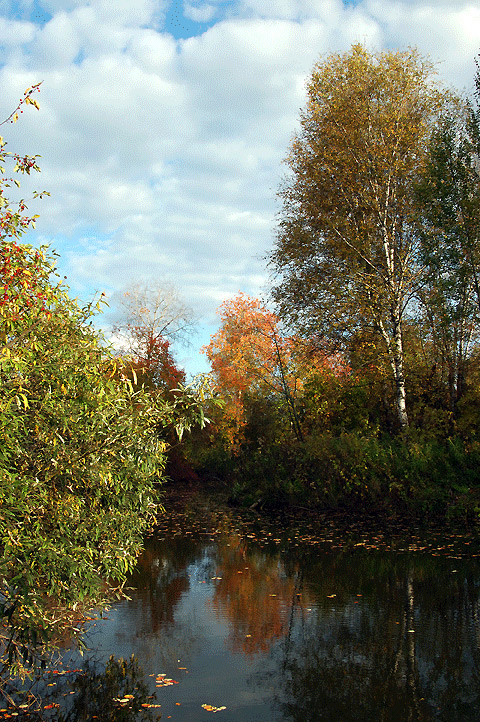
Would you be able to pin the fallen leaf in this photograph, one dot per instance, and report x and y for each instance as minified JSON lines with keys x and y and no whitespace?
{"x":211,"y":708}
{"x":164,"y":682}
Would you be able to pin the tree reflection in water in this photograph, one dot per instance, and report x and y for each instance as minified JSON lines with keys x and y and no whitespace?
{"x":118,"y":693}
{"x":405,"y":650}
{"x":347,"y":631}
{"x":290,"y":626}
{"x":255,"y":595}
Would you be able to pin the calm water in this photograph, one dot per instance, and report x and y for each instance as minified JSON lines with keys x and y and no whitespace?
{"x":300,"y":621}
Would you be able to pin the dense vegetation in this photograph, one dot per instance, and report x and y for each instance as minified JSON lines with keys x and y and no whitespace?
{"x":361,"y":388}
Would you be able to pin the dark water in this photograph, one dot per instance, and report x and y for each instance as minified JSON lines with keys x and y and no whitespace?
{"x":301,"y":620}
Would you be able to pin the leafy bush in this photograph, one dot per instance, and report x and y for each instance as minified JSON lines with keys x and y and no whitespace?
{"x":408,"y":474}
{"x":79,"y":455}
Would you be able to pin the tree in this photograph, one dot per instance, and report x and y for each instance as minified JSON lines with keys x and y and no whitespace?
{"x":80,"y":460}
{"x":13,"y":220}
{"x":345,"y":258}
{"x":449,"y":212}
{"x":154,"y":317}
{"x":249,"y":357}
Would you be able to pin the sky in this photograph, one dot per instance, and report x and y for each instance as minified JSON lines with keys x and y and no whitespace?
{"x":164,"y":124}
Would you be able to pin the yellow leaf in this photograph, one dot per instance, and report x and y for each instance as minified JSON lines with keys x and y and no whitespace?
{"x":24,"y":399}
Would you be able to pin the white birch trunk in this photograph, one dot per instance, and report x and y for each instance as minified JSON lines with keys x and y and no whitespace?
{"x":397,"y":366}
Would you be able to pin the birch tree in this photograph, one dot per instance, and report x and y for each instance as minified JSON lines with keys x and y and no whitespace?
{"x":154,"y":317}
{"x":345,"y":257}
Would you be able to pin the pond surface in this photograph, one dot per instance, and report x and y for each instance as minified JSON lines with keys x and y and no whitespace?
{"x":299,"y":619}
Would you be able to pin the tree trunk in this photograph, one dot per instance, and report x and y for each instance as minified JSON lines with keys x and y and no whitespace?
{"x":397,"y":366}
{"x":394,"y":346}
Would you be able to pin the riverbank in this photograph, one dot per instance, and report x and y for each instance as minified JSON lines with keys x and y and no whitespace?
{"x":409,"y":476}
{"x":207,"y":505}
{"x":279,"y":616}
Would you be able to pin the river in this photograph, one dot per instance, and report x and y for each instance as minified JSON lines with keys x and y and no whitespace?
{"x":305,"y":618}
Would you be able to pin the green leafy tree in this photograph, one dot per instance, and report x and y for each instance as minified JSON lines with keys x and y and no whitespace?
{"x":79,"y":460}
{"x":81,"y":449}
{"x":345,"y":259}
{"x":449,"y":209}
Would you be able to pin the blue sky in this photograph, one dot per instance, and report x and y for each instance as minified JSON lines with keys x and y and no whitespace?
{"x":163,"y":125}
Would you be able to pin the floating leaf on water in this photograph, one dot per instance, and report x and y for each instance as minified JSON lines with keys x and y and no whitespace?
{"x":164,"y":682}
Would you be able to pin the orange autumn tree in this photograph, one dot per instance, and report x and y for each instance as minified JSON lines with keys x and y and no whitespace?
{"x":251,"y":358}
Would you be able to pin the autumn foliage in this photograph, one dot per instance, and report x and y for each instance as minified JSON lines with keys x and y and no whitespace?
{"x":156,"y":368}
{"x":251,"y":358}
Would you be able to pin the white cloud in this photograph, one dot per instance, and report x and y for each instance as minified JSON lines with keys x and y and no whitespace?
{"x":118,"y":12}
{"x":294,"y":9}
{"x":447,"y":31}
{"x":14,"y":33}
{"x":201,"y":13}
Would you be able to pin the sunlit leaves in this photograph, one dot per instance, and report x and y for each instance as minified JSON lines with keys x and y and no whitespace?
{"x":163,"y":681}
{"x":14,"y":220}
{"x":249,"y":356}
{"x":79,"y":459}
{"x":345,"y":254}
{"x":212,"y":708}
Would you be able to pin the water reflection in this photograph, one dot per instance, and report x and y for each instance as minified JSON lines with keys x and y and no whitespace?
{"x":399,"y":641}
{"x":114,"y":692}
{"x":300,"y":626}
{"x":255,"y":595}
